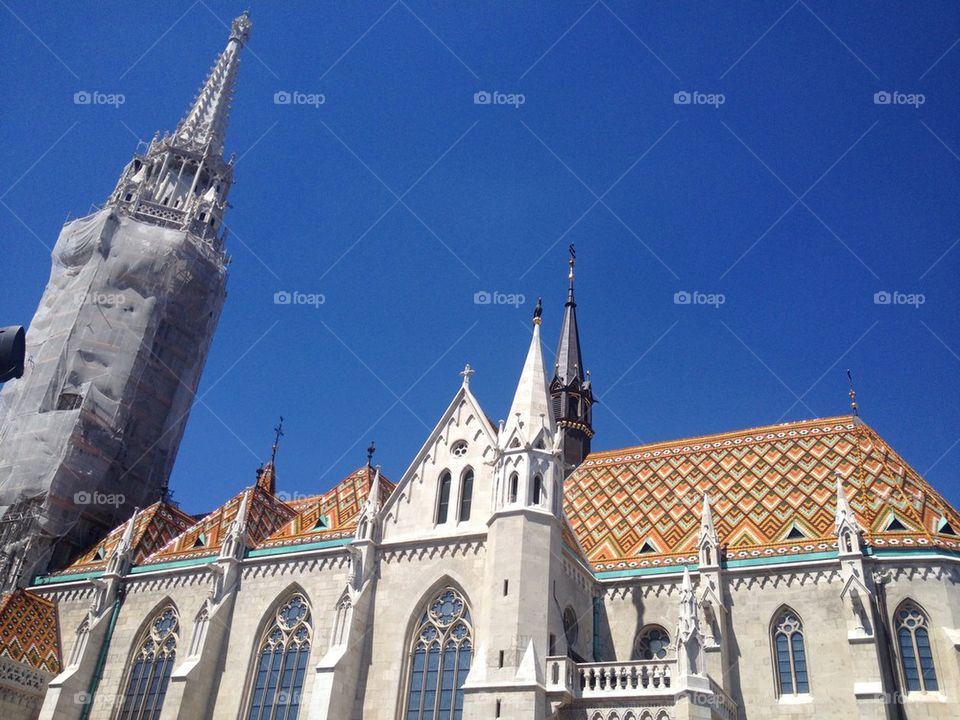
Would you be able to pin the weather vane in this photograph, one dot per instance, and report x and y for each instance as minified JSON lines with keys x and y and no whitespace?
{"x":278,"y":433}
{"x":853,"y":396}
{"x":370,"y":451}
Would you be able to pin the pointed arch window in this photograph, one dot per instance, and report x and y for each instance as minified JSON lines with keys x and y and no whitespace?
{"x":281,"y":662}
{"x":916,"y":654}
{"x":439,"y":660}
{"x":537,"y":489}
{"x":514,"y":483}
{"x":150,"y":674}
{"x":466,"y":495}
{"x":443,"y":498}
{"x":789,"y":654}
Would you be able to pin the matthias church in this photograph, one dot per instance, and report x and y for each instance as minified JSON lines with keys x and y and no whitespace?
{"x":510,"y":571}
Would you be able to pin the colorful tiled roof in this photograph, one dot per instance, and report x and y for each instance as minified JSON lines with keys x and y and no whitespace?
{"x":28,"y":631}
{"x":156,"y":526}
{"x":265,"y":513}
{"x":333,"y":514}
{"x":773,"y":492}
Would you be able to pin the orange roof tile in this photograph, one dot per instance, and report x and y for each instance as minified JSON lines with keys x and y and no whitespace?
{"x":28,"y":630}
{"x":156,"y":525}
{"x":265,"y":513}
{"x":331,"y":515}
{"x":772,"y":489}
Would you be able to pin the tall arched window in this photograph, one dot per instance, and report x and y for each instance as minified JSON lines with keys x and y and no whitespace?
{"x":653,"y":643}
{"x":443,"y":498}
{"x":789,"y":654}
{"x":281,"y":662}
{"x":913,"y":642}
{"x":571,"y":629}
{"x":514,"y":483}
{"x":466,"y":495}
{"x":440,"y":657}
{"x":150,"y":675}
{"x":537,"y":489}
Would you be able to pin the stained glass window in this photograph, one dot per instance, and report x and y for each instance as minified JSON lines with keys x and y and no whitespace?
{"x":440,"y":657}
{"x":150,"y":674}
{"x":916,"y":655}
{"x":789,"y":654}
{"x":282,"y":662}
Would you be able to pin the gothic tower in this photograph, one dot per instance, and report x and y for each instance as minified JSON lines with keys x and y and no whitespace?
{"x":572,"y":394}
{"x":117,"y":345}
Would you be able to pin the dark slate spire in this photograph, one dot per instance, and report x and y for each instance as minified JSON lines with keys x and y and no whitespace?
{"x":570,"y":390}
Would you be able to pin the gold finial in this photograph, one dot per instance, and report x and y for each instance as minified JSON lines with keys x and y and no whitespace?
{"x":538,"y":311}
{"x":853,"y":396}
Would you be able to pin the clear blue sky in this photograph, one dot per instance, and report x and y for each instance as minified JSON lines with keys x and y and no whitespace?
{"x":797,"y":199}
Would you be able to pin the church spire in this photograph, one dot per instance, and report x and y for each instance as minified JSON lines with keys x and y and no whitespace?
{"x":182,"y":180}
{"x":205,"y":123}
{"x":570,"y":390}
{"x":531,"y":408}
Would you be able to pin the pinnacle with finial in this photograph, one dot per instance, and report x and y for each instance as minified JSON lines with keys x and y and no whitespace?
{"x":371,"y":449}
{"x":853,"y":396}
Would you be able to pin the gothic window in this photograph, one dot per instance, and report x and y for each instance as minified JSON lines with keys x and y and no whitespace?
{"x":916,"y":655}
{"x":466,"y":495}
{"x":152,"y":664}
{"x":281,"y":663}
{"x":514,"y":481}
{"x":537,"y":489}
{"x":439,"y":660}
{"x":443,"y":498}
{"x":653,"y":643}
{"x":571,"y":628}
{"x":789,"y":654}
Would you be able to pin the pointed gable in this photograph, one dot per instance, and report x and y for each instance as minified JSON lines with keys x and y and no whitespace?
{"x":772,"y":491}
{"x":155,"y":526}
{"x":265,"y":513}
{"x":331,"y":515}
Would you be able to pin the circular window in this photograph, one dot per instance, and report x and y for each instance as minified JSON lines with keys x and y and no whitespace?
{"x":459,"y":448}
{"x":653,"y":644}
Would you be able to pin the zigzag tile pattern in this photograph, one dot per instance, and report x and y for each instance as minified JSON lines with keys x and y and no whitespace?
{"x":339,"y":508}
{"x":156,"y":526}
{"x":641,"y":506}
{"x":28,"y":631}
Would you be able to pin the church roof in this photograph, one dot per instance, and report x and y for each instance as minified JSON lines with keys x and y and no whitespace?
{"x":155,"y":526}
{"x":333,"y":514}
{"x":265,"y":513}
{"x":28,"y":631}
{"x":773,"y":492}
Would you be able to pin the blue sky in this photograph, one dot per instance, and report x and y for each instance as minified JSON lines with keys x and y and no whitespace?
{"x":782,"y":187}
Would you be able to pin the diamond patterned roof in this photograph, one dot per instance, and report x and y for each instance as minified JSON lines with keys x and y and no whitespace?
{"x":265,"y":513}
{"x":331,"y":515}
{"x":773,"y":492}
{"x":28,"y":630}
{"x":156,"y":525}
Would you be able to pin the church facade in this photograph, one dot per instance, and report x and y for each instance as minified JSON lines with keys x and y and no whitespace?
{"x":511,"y":571}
